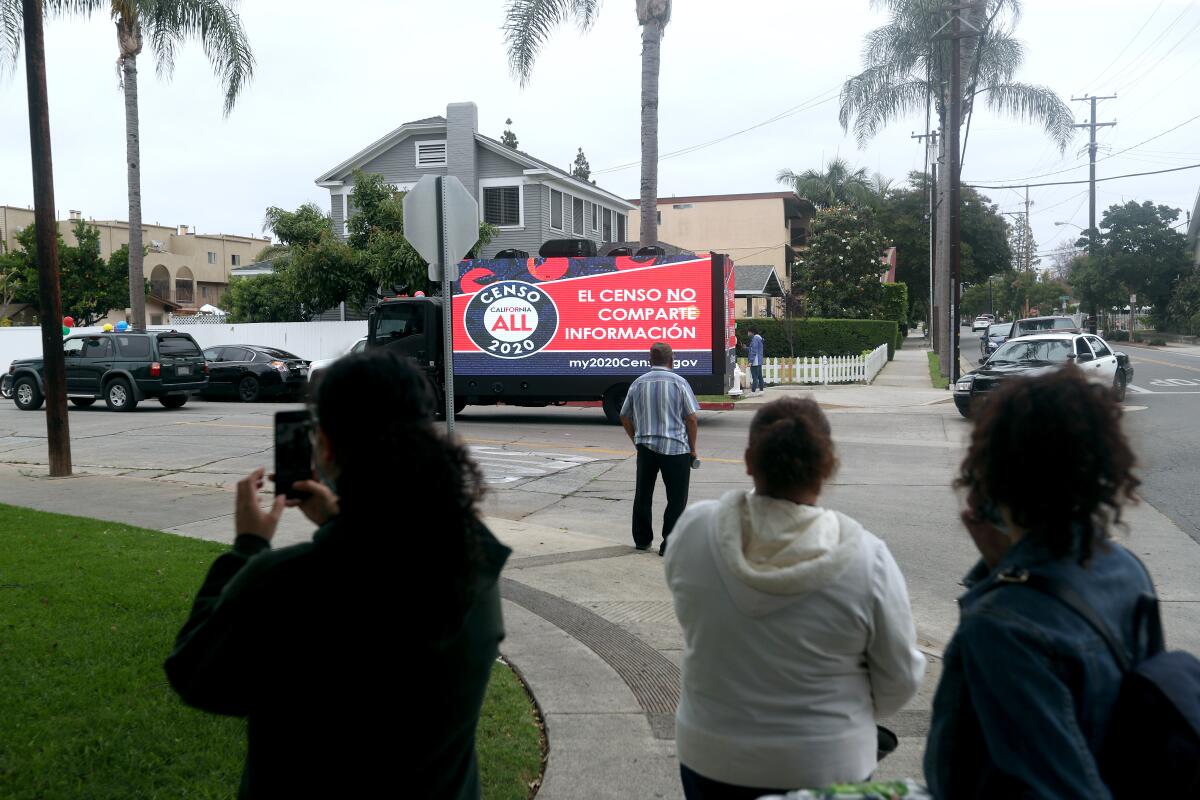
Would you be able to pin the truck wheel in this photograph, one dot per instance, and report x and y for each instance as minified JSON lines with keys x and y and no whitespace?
{"x":27,"y":395}
{"x":614,"y":398}
{"x":1119,"y":386}
{"x":460,"y":403}
{"x":82,"y":402}
{"x":118,"y":395}
{"x":173,"y":400}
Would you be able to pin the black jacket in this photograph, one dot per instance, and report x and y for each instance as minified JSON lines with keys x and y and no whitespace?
{"x":356,"y":675}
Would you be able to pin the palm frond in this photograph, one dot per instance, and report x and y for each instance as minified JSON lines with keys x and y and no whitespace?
{"x":1000,"y":58}
{"x":528,"y":23}
{"x":888,"y":104}
{"x":12,"y":23}
{"x":1036,"y":104}
{"x":215,"y":25}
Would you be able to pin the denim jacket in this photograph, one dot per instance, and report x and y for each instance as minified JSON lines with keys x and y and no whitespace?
{"x":1027,"y":687}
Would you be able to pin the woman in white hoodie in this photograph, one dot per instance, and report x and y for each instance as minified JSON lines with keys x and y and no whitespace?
{"x":797,"y":629}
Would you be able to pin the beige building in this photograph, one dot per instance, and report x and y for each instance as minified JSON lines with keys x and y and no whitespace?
{"x":764,"y":229}
{"x":186,"y":270}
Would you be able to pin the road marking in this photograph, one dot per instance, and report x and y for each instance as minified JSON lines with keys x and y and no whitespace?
{"x":1174,"y":382}
{"x":1138,"y":389}
{"x":1168,"y":364}
{"x":1127,"y":409}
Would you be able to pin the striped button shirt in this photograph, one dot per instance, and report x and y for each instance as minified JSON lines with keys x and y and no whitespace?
{"x":657,"y":403}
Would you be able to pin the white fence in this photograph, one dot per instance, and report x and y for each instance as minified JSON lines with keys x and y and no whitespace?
{"x":823,"y":370}
{"x":309,"y":340}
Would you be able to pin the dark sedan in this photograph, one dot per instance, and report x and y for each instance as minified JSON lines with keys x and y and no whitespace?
{"x":250,"y":372}
{"x":1037,"y":353}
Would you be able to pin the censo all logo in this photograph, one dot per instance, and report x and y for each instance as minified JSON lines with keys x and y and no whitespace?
{"x":511,"y":319}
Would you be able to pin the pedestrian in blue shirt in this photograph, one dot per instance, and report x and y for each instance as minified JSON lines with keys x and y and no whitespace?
{"x":756,"y":362}
{"x":659,"y":414}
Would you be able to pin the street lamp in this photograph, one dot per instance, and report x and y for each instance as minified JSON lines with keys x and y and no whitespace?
{"x":1072,"y":224}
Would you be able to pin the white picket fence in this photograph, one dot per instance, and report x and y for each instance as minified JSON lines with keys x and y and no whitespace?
{"x":823,"y":370}
{"x":310,"y":340}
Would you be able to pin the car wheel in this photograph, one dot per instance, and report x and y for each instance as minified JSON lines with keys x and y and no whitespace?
{"x":1119,"y":386}
{"x":614,"y":398}
{"x":248,"y":389}
{"x":173,"y":401}
{"x":82,"y":402}
{"x":27,"y":395}
{"x":118,"y":396}
{"x":460,"y":403}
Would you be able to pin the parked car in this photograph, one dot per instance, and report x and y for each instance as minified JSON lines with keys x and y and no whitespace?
{"x":315,"y":367}
{"x":1024,"y":327}
{"x":996,"y":334}
{"x":123,"y":368}
{"x":1037,"y":353}
{"x":981,"y":322}
{"x":250,"y":372}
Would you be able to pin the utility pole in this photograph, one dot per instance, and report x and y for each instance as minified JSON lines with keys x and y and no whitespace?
{"x":931,"y":159}
{"x":1028,"y":235}
{"x":1091,"y":125}
{"x":58,"y":433}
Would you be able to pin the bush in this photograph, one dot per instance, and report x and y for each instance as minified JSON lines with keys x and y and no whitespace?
{"x":1117,"y":336}
{"x":1137,"y":337}
{"x":1158,"y":341}
{"x":821,"y":337}
{"x":895,"y":305}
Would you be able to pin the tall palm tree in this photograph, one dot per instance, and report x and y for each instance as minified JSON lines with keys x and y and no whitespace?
{"x":837,"y":185}
{"x":528,"y":24}
{"x":905,"y":69}
{"x":214,"y":24}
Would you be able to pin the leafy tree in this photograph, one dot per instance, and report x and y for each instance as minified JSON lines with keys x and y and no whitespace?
{"x":305,"y":226}
{"x":165,"y":23}
{"x":527,"y":25}
{"x":1096,"y":284}
{"x":1140,"y":247}
{"x":89,"y":285}
{"x":12,"y":281}
{"x":1183,"y":311}
{"x":263,"y":298}
{"x":837,"y":185}
{"x":581,"y":168}
{"x":508,"y":138}
{"x":838,"y":276}
{"x":1012,"y":294}
{"x":1023,"y":245}
{"x":326,"y":274}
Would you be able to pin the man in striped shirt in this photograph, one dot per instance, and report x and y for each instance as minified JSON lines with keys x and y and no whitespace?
{"x":659,"y":415}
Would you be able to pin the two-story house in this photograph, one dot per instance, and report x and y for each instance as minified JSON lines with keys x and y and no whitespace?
{"x":529,"y":200}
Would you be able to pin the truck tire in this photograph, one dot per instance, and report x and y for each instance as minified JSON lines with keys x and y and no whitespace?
{"x":118,"y":395}
{"x":26,"y":394}
{"x":83,"y":402}
{"x":614,"y":398}
{"x":460,"y":403}
{"x":173,"y":400}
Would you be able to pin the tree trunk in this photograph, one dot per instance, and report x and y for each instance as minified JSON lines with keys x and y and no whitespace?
{"x":652,"y":32}
{"x":133,"y":164}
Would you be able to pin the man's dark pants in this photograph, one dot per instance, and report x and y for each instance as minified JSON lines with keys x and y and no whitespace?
{"x":756,"y":379}
{"x":677,"y":474}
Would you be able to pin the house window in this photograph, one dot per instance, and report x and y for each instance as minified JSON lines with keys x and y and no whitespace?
{"x":431,"y":154}
{"x":212,"y":257}
{"x":577,"y":208}
{"x":607,"y":225}
{"x":595,"y":217}
{"x":620,"y":227}
{"x":235,"y":260}
{"x":502,"y":205}
{"x":156,"y":319}
{"x":556,"y":210}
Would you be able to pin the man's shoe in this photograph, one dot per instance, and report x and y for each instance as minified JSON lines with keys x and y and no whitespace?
{"x":645,"y":546}
{"x":662,"y":548}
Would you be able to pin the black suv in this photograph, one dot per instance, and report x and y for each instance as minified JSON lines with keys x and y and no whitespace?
{"x":123,"y":367}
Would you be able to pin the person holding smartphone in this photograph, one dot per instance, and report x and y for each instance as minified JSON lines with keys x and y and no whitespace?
{"x":360,"y":659}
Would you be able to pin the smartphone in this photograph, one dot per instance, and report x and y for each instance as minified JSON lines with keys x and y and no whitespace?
{"x":293,"y":451}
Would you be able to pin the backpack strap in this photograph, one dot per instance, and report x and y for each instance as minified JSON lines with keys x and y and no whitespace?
{"x":1071,"y":599}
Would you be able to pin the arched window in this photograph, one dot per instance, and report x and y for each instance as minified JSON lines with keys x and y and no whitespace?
{"x":160,"y":282}
{"x":185,"y":287}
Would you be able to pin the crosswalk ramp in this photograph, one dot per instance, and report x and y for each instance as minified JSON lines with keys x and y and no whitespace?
{"x":502,"y":466}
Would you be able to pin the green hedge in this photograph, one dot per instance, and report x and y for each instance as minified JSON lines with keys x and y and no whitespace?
{"x":895,"y":304}
{"x":821,"y":337}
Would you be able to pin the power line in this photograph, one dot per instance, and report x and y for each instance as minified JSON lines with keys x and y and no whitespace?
{"x":1076,"y":183}
{"x":1128,"y":44}
{"x":1163,"y":58}
{"x":1162,"y":34}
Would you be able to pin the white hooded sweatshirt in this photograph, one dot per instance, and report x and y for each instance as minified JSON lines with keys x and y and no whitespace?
{"x":798,"y":635}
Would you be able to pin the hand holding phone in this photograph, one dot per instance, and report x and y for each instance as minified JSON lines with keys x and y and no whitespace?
{"x":293,"y":452}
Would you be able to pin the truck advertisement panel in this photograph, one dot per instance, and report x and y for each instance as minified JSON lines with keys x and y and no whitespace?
{"x":588,"y":316}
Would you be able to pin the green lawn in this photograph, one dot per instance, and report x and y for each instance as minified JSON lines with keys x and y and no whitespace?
{"x":88,"y":611}
{"x":935,"y":372}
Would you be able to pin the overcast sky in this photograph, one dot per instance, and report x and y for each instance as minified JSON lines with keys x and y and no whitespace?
{"x":332,"y":78}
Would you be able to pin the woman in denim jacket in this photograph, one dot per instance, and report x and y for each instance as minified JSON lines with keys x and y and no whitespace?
{"x":1027,"y":687}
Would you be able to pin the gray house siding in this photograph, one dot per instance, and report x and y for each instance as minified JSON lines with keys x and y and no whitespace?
{"x":494,"y":165}
{"x":337,"y":212}
{"x":399,"y":163}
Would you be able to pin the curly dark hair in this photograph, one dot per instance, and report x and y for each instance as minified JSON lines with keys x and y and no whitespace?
{"x":398,"y":475}
{"x":1051,"y":450}
{"x":791,"y":446}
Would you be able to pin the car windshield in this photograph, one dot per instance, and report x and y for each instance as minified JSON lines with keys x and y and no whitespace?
{"x":1000,"y":329}
{"x":1021,"y":351}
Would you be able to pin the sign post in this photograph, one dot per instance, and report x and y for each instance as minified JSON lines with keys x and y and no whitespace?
{"x":441,"y":222}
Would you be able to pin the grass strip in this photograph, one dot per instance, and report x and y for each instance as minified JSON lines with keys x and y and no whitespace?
{"x":935,"y":372}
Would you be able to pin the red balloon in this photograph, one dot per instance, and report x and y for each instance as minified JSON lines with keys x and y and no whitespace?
{"x":69,"y":322}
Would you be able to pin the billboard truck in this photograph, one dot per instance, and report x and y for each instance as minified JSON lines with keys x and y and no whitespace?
{"x":548,"y":331}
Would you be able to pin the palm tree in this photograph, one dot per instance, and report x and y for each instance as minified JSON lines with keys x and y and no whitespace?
{"x":837,"y":185}
{"x":166,"y":23}
{"x":528,"y":24}
{"x":906,"y":69}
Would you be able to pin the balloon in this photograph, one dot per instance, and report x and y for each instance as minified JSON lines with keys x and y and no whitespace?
{"x":66,"y":331}
{"x":69,"y":322}
{"x":108,"y":327}
{"x":122,"y":325}
{"x":419,"y":294}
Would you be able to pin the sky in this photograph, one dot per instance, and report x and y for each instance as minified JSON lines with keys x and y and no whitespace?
{"x":331,"y":78}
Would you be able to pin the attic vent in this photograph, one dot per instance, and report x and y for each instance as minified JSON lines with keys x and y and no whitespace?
{"x":431,"y":154}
